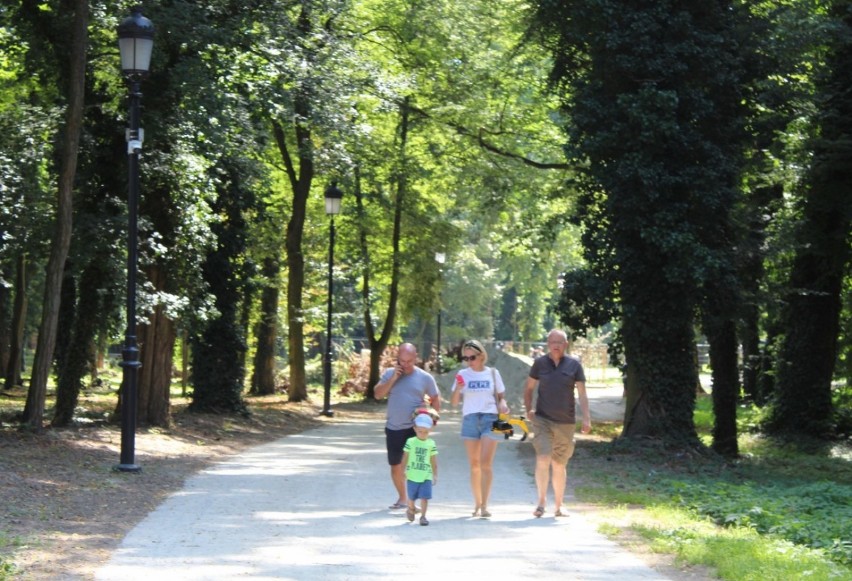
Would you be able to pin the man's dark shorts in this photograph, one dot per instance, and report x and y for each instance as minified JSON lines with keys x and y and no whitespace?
{"x":395,"y":441}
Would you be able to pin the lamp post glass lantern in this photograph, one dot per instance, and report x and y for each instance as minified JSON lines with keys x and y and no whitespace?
{"x":135,"y":43}
{"x":333,"y":195}
{"x":440,"y":258}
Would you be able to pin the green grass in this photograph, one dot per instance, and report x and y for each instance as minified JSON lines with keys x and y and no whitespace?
{"x":735,"y":553}
{"x":7,"y":546}
{"x":781,"y":511}
{"x":7,"y":570}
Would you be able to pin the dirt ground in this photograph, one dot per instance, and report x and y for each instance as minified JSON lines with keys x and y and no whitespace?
{"x":65,"y":508}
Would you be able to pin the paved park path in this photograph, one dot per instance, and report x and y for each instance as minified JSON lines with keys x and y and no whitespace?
{"x":314,"y":506}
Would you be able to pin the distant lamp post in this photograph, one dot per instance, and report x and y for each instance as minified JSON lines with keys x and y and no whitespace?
{"x":135,"y":42}
{"x":440,"y":258}
{"x":333,"y":195}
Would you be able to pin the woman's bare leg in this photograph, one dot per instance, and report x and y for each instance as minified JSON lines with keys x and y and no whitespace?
{"x":474,"y":458}
{"x":488,"y":450}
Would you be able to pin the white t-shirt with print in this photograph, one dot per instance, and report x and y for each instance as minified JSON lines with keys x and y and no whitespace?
{"x":478,"y":390}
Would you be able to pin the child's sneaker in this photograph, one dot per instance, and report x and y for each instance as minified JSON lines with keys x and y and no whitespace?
{"x":409,"y":514}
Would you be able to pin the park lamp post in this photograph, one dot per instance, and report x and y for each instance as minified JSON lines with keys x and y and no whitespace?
{"x":333,"y":195}
{"x":135,"y":42}
{"x":440,"y":258}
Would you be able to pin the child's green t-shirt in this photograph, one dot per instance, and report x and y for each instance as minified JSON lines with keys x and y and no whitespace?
{"x":420,"y":452}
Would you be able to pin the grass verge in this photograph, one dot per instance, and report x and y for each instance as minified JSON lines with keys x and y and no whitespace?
{"x":779,"y":512}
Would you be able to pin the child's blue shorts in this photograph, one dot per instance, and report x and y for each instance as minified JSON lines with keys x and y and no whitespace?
{"x":419,"y":489}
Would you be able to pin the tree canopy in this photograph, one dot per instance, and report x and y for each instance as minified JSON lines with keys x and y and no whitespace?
{"x":670,"y":170}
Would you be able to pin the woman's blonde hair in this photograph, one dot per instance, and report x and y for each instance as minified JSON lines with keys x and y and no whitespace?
{"x":476,"y":346}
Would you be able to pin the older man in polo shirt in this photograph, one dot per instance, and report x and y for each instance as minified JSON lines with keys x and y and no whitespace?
{"x":556,"y":375}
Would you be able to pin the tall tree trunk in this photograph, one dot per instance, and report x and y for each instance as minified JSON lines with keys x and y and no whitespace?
{"x":298,"y":388}
{"x":79,"y":349}
{"x":720,"y":307}
{"x":300,"y":183}
{"x":19,"y":320}
{"x":802,"y":404}
{"x":33,"y":416}
{"x":66,"y":320}
{"x":184,"y":362}
{"x":633,"y":413}
{"x":750,"y":261}
{"x":6,"y":297}
{"x":750,"y":339}
{"x":766,"y":372}
{"x":157,"y":337}
{"x":661,"y":363}
{"x":219,"y":348}
{"x":157,"y":341}
{"x":248,"y":273}
{"x":378,"y":344}
{"x":723,"y":359}
{"x":301,"y":186}
{"x":263,"y":376}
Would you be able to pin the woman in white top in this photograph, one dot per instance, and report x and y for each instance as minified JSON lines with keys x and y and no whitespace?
{"x":482,"y":390}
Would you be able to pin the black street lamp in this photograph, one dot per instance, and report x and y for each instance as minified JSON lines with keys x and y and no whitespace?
{"x":333,"y":194}
{"x":135,"y":42}
{"x":440,"y":258}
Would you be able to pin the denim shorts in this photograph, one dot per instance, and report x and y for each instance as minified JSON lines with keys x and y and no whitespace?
{"x":476,"y":426}
{"x":417,"y":490}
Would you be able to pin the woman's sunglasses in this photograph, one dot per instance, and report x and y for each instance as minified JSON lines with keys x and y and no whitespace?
{"x":468,"y":358}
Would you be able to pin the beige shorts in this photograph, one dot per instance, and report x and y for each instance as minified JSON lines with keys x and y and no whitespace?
{"x":553,"y":439}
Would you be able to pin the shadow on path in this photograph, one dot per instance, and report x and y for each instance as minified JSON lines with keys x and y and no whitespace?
{"x":313,"y":506}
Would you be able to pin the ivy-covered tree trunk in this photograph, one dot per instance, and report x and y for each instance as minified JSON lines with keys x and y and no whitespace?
{"x":659,"y":358}
{"x":263,"y":375}
{"x":654,"y":94}
{"x":218,"y":352}
{"x":802,"y":401}
{"x":217,"y":380}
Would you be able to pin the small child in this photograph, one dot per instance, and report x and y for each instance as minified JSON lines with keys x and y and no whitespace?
{"x":421,"y":467}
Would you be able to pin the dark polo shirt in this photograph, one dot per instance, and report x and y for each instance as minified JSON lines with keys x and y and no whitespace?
{"x":556,"y":387}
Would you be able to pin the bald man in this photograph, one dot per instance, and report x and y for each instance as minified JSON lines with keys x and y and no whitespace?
{"x":407,"y":387}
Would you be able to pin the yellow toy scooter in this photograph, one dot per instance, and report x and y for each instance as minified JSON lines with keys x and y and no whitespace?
{"x":505,"y":424}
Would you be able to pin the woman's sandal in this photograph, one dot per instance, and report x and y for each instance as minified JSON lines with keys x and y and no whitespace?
{"x":483,"y":512}
{"x":475,"y":511}
{"x":538,"y":512}
{"x":560,"y":513}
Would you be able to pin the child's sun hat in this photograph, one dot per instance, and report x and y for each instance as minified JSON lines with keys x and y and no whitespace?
{"x":423,"y":421}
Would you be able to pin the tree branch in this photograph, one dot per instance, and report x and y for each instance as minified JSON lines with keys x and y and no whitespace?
{"x":490,"y":147}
